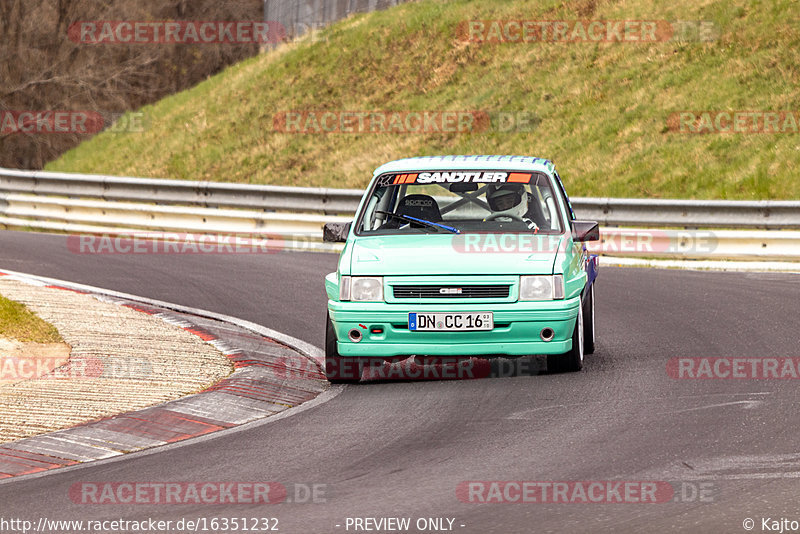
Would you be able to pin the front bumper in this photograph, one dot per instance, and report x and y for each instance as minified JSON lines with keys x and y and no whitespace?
{"x":516,"y":329}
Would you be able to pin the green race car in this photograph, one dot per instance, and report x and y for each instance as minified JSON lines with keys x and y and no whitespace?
{"x":461,"y":256}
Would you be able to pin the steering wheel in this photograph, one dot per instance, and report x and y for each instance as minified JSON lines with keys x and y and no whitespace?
{"x":493,"y":216}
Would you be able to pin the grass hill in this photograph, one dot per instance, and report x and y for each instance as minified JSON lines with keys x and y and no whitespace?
{"x":21,"y":324}
{"x":602,"y":109}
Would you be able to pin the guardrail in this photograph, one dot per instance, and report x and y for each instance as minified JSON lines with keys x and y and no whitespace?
{"x":762,"y":214}
{"x":766,"y":214}
{"x":112,"y":204}
{"x":171,"y":192}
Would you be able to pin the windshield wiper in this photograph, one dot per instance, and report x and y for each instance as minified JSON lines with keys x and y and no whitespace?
{"x":410,"y":219}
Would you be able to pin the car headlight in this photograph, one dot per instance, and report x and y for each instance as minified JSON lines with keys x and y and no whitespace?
{"x":361,"y":288}
{"x":541,"y":287}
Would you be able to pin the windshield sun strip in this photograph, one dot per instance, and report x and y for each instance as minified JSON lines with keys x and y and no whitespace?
{"x":537,"y":178}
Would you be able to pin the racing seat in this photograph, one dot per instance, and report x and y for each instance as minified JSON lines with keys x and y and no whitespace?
{"x":418,"y":206}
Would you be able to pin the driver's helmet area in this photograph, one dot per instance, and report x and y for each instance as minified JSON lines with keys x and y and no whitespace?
{"x":507,"y":199}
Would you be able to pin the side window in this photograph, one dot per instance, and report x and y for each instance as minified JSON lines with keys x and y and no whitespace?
{"x":564,"y":196}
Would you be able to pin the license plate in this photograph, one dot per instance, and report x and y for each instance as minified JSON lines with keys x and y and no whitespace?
{"x":447,"y":322}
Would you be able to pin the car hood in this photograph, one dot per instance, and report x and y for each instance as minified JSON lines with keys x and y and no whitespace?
{"x":440,"y":254}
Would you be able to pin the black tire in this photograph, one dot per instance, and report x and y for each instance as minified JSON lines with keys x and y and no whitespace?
{"x":339,"y":369}
{"x":571,"y":361}
{"x":588,"y":322}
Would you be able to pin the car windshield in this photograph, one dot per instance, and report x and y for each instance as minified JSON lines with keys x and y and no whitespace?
{"x":461,"y":202}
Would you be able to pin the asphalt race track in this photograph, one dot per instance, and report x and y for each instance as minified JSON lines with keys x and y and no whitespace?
{"x":401,"y":449}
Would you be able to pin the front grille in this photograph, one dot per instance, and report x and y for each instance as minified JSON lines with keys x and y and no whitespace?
{"x":451,"y":292}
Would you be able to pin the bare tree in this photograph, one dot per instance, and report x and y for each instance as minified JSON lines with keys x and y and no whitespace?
{"x":42,"y":69}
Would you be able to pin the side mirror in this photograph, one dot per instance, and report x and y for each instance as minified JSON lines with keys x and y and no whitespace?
{"x":585,"y":231}
{"x":335,"y":232}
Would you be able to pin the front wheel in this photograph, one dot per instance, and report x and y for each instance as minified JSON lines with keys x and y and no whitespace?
{"x":571,"y":361}
{"x":339,"y":369}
